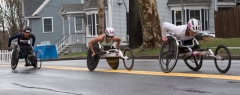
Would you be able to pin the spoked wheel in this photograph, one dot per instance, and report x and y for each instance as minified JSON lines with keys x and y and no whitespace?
{"x":39,"y":59}
{"x":39,"y":62}
{"x":15,"y":58}
{"x":168,"y":55}
{"x":113,"y":62}
{"x":129,"y":62}
{"x":92,"y":62}
{"x":194,"y":62}
{"x":223,"y":64}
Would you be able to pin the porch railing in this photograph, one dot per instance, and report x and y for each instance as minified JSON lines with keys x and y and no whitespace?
{"x":64,"y":41}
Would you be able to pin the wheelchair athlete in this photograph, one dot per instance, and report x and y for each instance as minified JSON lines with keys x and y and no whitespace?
{"x":106,"y":40}
{"x":185,"y":33}
{"x":23,"y":39}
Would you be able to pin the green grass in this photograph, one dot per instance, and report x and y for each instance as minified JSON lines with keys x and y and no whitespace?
{"x":146,"y":52}
{"x":230,"y":42}
{"x":206,"y":42}
{"x":72,"y":55}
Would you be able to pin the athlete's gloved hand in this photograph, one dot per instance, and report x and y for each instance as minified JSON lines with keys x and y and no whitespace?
{"x":165,"y":39}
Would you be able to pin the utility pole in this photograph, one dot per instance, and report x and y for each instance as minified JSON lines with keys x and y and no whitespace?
{"x":101,"y":19}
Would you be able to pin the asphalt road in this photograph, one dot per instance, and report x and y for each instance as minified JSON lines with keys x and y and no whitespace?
{"x":71,"y":77}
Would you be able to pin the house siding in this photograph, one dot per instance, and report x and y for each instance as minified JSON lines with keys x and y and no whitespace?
{"x":51,"y":10}
{"x":120,"y":19}
{"x":165,"y":14}
{"x":164,"y":11}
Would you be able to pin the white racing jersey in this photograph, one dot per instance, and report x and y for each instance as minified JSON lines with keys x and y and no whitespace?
{"x":179,"y":31}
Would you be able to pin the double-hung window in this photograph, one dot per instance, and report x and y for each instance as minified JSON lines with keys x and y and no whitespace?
{"x":177,"y":17}
{"x":47,"y":24}
{"x":200,"y":14}
{"x":78,"y":24}
{"x":92,"y":24}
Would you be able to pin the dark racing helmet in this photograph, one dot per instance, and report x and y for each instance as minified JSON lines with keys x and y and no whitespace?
{"x":27,"y":29}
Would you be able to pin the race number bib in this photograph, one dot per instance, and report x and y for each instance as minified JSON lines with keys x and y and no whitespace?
{"x":24,"y":41}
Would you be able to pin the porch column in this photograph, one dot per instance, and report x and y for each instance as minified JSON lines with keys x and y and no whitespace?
{"x":110,"y":13}
{"x":63,"y":20}
{"x":69,"y":25}
{"x":69,"y":38}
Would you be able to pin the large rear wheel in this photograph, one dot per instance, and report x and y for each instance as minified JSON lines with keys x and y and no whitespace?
{"x":92,"y":62}
{"x":168,"y":55}
{"x":15,"y":58}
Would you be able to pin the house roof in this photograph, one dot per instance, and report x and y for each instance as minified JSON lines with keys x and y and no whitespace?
{"x":188,"y":1}
{"x":35,"y":4}
{"x":71,"y":7}
{"x":88,"y":4}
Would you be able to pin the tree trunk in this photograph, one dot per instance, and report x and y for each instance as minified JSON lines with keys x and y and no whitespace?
{"x":150,"y":23}
{"x":101,"y":17}
{"x":135,"y":31}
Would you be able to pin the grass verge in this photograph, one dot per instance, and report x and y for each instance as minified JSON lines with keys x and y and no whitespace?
{"x":204,"y":43}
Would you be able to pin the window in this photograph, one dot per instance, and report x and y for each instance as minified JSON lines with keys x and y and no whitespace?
{"x":178,"y":15}
{"x":205,"y":22}
{"x":47,"y":24}
{"x":78,"y":22}
{"x":200,"y":14}
{"x":89,"y":24}
{"x":195,"y":14}
{"x":92,"y":24}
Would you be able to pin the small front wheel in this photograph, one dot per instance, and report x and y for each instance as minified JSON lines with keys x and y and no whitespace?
{"x":129,"y":62}
{"x":224,"y":62}
{"x":194,"y":62}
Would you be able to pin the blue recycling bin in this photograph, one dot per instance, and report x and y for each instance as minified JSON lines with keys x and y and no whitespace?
{"x":46,"y":52}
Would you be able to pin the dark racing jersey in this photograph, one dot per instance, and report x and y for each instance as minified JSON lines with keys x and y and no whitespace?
{"x":21,"y":39}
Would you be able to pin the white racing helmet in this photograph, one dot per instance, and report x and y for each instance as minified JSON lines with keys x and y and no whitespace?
{"x":110,"y":32}
{"x":194,"y":25}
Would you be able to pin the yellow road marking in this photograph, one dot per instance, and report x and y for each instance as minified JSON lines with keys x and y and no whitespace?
{"x":212,"y":76}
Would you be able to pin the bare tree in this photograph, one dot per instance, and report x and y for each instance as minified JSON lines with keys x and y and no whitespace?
{"x":150,"y":23}
{"x":12,"y":13}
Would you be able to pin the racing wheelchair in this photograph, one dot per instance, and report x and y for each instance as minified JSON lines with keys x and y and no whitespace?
{"x":193,"y":55}
{"x":112,"y":56}
{"x":19,"y":52}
